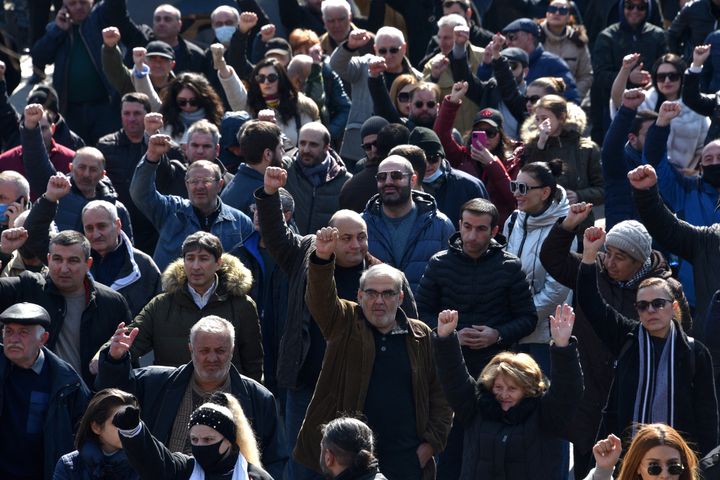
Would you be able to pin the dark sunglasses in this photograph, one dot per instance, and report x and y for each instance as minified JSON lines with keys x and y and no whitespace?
{"x":672,"y":76}
{"x":522,"y":188}
{"x":420,"y":103}
{"x":490,"y":132}
{"x":656,"y":304}
{"x":272,"y":78}
{"x":435,"y":157}
{"x":183,"y":102}
{"x":393,"y":50}
{"x":395,"y":175}
{"x":403,"y":97}
{"x":533,"y":99}
{"x":636,"y":6}
{"x":558,"y":10}
{"x":369,"y":146}
{"x":655,"y":469}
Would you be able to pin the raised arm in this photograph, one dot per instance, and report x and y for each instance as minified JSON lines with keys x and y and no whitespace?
{"x":143,"y":191}
{"x":629,"y":63}
{"x":141,"y":78}
{"x":382,"y":103}
{"x":117,"y":74}
{"x":702,"y":103}
{"x":351,"y":68}
{"x":234,"y":89}
{"x":43,"y":213}
{"x":38,"y":168}
{"x":555,"y":254}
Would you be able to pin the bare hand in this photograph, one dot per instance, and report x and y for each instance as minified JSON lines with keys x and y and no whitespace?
{"x":58,"y":186}
{"x":561,"y":324}
{"x":668,"y":111}
{"x":498,"y":43}
{"x":593,"y":240}
{"x":572,"y":196}
{"x":640,"y":77}
{"x":12,"y":239}
{"x":111,"y":37}
{"x":470,"y":338}
{"x":461,"y":35}
{"x":325,"y":242}
{"x":424,"y":453}
{"x":248,"y":20}
{"x":267,"y":115}
{"x":488,"y":335}
{"x":376,"y":66}
{"x":158,"y":145}
{"x":577,"y":214}
{"x":439,"y":66}
{"x":218,"y":55}
{"x":481,"y":155}
{"x":447,"y":322}
{"x":32,"y":115}
{"x":153,"y":123}
{"x":633,"y":98}
{"x":630,"y":61}
{"x":275,"y":178}
{"x":62,"y":19}
{"x":607,"y":452}
{"x":358,"y":38}
{"x":121,"y":341}
{"x":316,"y":53}
{"x":139,"y":57}
{"x":459,"y":89}
{"x":267,"y":32}
{"x":643,"y":177}
{"x":544,"y":128}
{"x":700,"y":54}
{"x":488,"y":54}
{"x":13,"y":211}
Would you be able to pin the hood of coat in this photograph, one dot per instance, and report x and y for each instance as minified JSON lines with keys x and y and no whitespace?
{"x":424,"y":202}
{"x":574,"y":33}
{"x":557,"y":209}
{"x":575,"y":124}
{"x":623,"y":21}
{"x":234,"y":278}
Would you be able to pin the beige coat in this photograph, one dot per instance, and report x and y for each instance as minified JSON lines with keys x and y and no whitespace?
{"x":571,"y":47}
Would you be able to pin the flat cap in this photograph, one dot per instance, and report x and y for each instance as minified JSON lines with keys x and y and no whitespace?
{"x":25,"y":313}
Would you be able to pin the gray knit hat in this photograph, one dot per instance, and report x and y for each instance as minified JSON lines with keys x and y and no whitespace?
{"x":631,"y":237}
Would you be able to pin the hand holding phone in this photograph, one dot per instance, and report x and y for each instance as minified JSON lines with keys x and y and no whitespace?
{"x":479,"y":139}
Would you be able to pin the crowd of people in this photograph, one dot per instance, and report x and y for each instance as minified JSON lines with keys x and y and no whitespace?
{"x":361,"y":239}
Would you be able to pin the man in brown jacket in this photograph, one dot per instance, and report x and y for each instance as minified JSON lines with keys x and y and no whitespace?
{"x":379,"y":363}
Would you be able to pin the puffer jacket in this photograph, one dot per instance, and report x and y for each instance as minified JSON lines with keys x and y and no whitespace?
{"x":690,"y":27}
{"x":165,"y":322}
{"x":429,"y":235}
{"x":706,"y":104}
{"x":571,"y":46}
{"x":314,"y":205}
{"x":491,"y":290}
{"x":526,"y":234}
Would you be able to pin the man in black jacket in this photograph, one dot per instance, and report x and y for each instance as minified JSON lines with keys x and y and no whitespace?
{"x":168,"y":395}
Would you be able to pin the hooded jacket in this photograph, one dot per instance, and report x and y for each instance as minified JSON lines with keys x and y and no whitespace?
{"x":525,"y":238}
{"x":572,"y":46}
{"x":452,"y":189}
{"x":166,"y":321}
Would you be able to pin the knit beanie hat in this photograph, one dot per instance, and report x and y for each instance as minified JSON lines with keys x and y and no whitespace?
{"x":426,"y":139}
{"x":372,"y":126}
{"x":631,"y":237}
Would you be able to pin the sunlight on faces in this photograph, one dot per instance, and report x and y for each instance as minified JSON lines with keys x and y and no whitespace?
{"x":352,"y":243}
{"x":202,"y":435}
{"x":78,"y":9}
{"x":555,"y":19}
{"x":337,"y":23}
{"x":166,"y":23}
{"x":711,"y":153}
{"x":542,"y":114}
{"x":507,"y":392}
{"x":446,"y":38}
{"x":476,"y":233}
{"x":101,"y":230}
{"x":9,"y":192}
{"x":46,"y":129}
{"x":662,"y":455}
{"x":108,"y":433}
{"x":211,"y":355}
{"x":493,"y":142}
{"x":132,"y":115}
{"x":160,"y":66}
{"x":395,"y":192}
{"x":404,"y":107}
{"x":201,"y":267}
{"x":656,"y":322}
{"x":384,"y":44}
{"x":423,"y":113}
{"x":268,"y":88}
{"x":522,"y":40}
{"x":534,"y":200}
{"x":620,"y":266}
{"x":312,"y":149}
{"x":223,"y":18}
{"x":635,"y":16}
{"x":22,"y":343}
{"x":187,"y":100}
{"x":671,"y":89}
{"x":68,"y":267}
{"x":380,"y":312}
{"x":87,"y":170}
{"x":203,"y":187}
{"x":200,"y":146}
{"x":532,"y":92}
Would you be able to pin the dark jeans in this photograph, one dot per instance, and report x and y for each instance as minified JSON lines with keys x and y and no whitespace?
{"x":295,"y":408}
{"x":92,"y":120}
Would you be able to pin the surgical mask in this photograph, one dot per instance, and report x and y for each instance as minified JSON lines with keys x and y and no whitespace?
{"x":224,"y":33}
{"x":434,"y":176}
{"x":711,"y":175}
{"x":212,"y":461}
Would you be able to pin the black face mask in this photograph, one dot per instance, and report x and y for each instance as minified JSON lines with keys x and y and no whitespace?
{"x":711,"y":175}
{"x":212,"y":461}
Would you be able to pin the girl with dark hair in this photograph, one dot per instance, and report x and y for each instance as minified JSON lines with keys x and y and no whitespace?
{"x":689,"y":129}
{"x":99,"y":453}
{"x":270,"y":88}
{"x":187,"y":99}
{"x":348,"y":449}
{"x":541,"y":202}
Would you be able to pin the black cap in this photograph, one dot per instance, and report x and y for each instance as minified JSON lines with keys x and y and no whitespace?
{"x":522,"y":25}
{"x":490,"y":116}
{"x":160,"y":49}
{"x":25,"y":313}
{"x":278,"y":45}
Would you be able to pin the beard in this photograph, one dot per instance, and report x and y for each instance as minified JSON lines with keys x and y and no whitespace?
{"x":426,"y":120}
{"x":400,"y":197}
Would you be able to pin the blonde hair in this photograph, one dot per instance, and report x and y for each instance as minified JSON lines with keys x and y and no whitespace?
{"x":245,"y":437}
{"x":398,"y":84}
{"x":519,"y":368}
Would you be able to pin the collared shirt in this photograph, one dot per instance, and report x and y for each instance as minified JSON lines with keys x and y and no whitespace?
{"x":202,"y":300}
{"x":39,"y":362}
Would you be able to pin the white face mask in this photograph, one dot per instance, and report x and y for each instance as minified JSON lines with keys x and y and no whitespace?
{"x":434,"y":176}
{"x":224,"y":33}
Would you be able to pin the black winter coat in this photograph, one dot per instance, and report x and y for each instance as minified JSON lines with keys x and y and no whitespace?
{"x":521,"y":443}
{"x":690,"y":27}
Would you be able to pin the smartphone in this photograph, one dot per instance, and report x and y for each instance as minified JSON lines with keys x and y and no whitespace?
{"x":3,"y":209}
{"x":479,"y":139}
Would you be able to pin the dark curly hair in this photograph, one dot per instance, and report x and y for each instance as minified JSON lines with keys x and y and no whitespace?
{"x":204,"y":92}
{"x":287,"y":93}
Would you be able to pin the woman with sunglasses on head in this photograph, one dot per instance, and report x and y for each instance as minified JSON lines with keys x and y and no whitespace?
{"x":661,"y":374}
{"x":187,"y":99}
{"x":561,"y":36}
{"x":688,"y":130}
{"x":513,"y":420}
{"x":99,"y":453}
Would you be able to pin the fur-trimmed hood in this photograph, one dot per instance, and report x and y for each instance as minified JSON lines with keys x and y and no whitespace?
{"x":234,"y":278}
{"x":575,"y":123}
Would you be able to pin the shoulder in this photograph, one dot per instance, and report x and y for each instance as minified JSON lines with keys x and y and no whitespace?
{"x":106,"y":294}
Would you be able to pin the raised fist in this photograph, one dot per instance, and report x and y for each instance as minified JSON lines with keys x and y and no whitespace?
{"x":111,"y":37}
{"x":32,"y":115}
{"x":459,"y":89}
{"x":275,"y":178}
{"x":376,"y":66}
{"x":439,"y":66}
{"x":153,"y":123}
{"x":358,"y":38}
{"x":158,"y":145}
{"x":248,"y":20}
{"x":127,"y":417}
{"x":267,"y":32}
{"x":139,"y":57}
{"x":12,"y":239}
{"x":58,"y":186}
{"x":700,"y":54}
{"x":325,"y":241}
{"x":633,"y":98}
{"x":447,"y":322}
{"x":668,"y":111}
{"x":643,"y":177}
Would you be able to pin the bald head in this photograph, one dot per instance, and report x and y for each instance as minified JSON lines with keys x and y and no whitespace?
{"x":396,"y":162}
{"x":313,"y":144}
{"x":352,"y":245}
{"x":711,"y":153}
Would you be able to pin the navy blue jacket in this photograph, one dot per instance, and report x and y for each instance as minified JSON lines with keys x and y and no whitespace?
{"x":453,"y":188}
{"x":90,"y":463}
{"x":239,"y":192}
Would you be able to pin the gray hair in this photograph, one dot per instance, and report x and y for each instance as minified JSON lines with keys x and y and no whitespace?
{"x":330,"y":4}
{"x":213,"y":325}
{"x":172,"y":8}
{"x":390,"y":32}
{"x":20,"y":182}
{"x":383,"y":270}
{"x":204,"y":126}
{"x":452,"y":20}
{"x":229,"y":9}
{"x":105,"y":206}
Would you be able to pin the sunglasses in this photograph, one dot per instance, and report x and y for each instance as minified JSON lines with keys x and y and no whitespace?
{"x":270,"y":78}
{"x":403,"y":97}
{"x":420,"y":103}
{"x":558,"y":10}
{"x":490,"y":132}
{"x":635,"y":6}
{"x":672,"y":76}
{"x":656,"y":304}
{"x":395,"y":175}
{"x":533,"y":99}
{"x":655,"y":469}
{"x":522,"y":188}
{"x":369,"y":146}
{"x":393,"y":50}
{"x":183,"y":102}
{"x":435,"y":157}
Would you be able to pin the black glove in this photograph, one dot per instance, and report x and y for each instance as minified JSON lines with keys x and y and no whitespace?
{"x":127,"y":418}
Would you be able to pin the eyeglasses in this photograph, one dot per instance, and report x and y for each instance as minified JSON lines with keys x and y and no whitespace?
{"x":533,"y":99}
{"x":672,"y":76}
{"x":655,"y":469}
{"x":403,"y":97}
{"x":656,"y":304}
{"x":385,"y":294}
{"x":490,"y":132}
{"x":395,"y":175}
{"x":194,"y":182}
{"x":636,"y":6}
{"x":184,"y":102}
{"x":558,"y":10}
{"x":522,"y":188}
{"x":435,"y":157}
{"x":392,"y":50}
{"x":369,"y":146}
{"x":270,"y":78}
{"x":419,"y":104}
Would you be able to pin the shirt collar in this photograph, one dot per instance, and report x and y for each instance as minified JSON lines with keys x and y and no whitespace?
{"x":39,"y":363}
{"x":202,"y":300}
